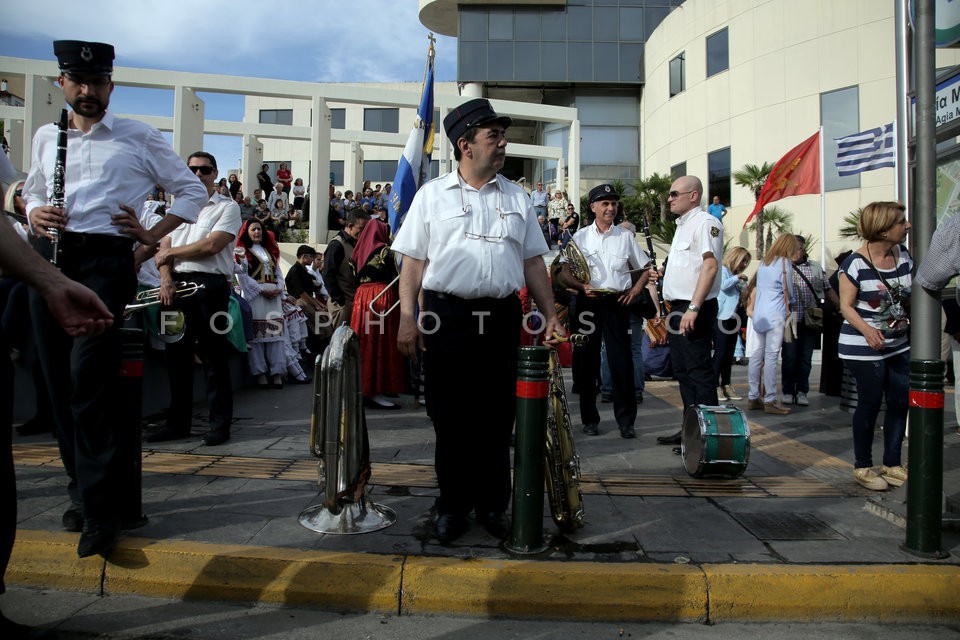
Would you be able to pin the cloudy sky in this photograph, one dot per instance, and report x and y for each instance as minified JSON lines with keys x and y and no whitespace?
{"x":308,"y":40}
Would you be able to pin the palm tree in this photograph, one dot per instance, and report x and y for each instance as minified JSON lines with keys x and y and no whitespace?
{"x":753,"y":177}
{"x":776,"y":220}
{"x":851,"y":225}
{"x":651,"y":193}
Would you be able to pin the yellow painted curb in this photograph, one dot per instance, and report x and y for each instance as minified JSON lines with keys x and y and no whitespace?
{"x":610,"y":591}
{"x":197,"y":570}
{"x":833,"y":592}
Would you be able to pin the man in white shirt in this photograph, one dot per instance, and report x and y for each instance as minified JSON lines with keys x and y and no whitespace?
{"x":201,"y":253}
{"x":616,"y":278}
{"x":539,"y":199}
{"x":110,"y":164}
{"x":691,"y":284}
{"x":470,"y":241}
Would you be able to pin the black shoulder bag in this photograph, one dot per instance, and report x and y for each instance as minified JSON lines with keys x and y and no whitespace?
{"x":812,"y":316}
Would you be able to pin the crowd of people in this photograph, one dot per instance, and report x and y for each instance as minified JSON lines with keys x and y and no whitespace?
{"x":470,"y":242}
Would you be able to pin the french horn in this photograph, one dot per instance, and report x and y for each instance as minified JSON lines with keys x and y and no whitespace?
{"x":562,"y":464}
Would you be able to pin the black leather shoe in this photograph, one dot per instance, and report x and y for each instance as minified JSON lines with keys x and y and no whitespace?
{"x":496,"y":524}
{"x":606,"y":397}
{"x":11,"y":629}
{"x":639,"y":397}
{"x":591,"y":429}
{"x":72,"y":519}
{"x":450,"y":527}
{"x":34,"y":427}
{"x":213,"y":437}
{"x":627,"y":432}
{"x":98,"y":539}
{"x":674,"y":439}
{"x":165,"y":434}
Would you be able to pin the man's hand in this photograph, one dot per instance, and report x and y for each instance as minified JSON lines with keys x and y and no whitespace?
{"x":130,"y":225}
{"x":553,"y":329}
{"x":687,"y":322}
{"x":168,"y":290}
{"x":409,"y":338}
{"x":78,"y":309}
{"x":45,"y":218}
{"x":163,"y":256}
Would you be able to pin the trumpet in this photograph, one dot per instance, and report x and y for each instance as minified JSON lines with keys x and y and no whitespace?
{"x":151,"y":297}
{"x":396,"y":304}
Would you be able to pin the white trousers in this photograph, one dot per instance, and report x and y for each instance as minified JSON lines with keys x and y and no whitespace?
{"x":765,"y":354}
{"x":262,"y":353}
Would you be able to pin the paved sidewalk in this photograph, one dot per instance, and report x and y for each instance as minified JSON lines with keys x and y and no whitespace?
{"x":795,"y":538}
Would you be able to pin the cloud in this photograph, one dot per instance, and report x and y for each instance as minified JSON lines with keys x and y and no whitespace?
{"x":313,"y":40}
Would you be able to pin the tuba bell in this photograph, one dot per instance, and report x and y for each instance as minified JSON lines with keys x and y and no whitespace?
{"x":338,"y":437}
{"x":562,"y":464}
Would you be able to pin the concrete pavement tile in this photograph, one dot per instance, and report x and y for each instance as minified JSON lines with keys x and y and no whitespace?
{"x":694,"y":524}
{"x":203,"y":526}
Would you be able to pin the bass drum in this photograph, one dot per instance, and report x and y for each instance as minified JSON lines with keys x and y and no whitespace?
{"x":715,"y":441}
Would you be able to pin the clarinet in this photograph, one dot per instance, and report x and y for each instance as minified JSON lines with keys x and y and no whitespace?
{"x":653,"y":259}
{"x":58,"y":198}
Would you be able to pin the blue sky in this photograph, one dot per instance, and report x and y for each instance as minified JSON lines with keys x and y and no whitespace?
{"x":312,"y":40}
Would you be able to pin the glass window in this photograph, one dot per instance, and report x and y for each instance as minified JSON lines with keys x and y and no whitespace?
{"x":473,"y":25}
{"x":631,"y":23}
{"x":606,"y":66}
{"x":527,"y":60}
{"x":610,"y":145}
{"x":386,"y":120}
{"x":840,"y":116}
{"x":526,"y":25}
{"x":580,"y":23}
{"x":554,"y":56}
{"x":652,"y":18}
{"x":336,"y":171}
{"x":678,"y":81}
{"x":434,"y":169}
{"x":579,"y":61}
{"x":379,"y":170}
{"x":606,"y":25}
{"x":678,"y":170}
{"x":472,"y":58}
{"x":718,"y":170}
{"x":718,"y":53}
{"x":338,"y":119}
{"x":631,"y":62}
{"x":500,"y":61}
{"x":276,"y":116}
{"x":553,"y":25}
{"x":501,"y":25}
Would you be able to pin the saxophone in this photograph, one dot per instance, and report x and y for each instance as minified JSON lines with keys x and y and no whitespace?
{"x":562,"y":463}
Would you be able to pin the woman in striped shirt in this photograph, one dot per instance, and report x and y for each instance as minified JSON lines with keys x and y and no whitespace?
{"x":875,"y":283}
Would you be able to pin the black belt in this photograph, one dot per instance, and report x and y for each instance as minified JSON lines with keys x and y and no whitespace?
{"x":95,"y":241}
{"x":188,"y":275}
{"x":472,"y":302}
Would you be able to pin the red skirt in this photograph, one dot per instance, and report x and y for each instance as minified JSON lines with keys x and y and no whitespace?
{"x":381,"y":363}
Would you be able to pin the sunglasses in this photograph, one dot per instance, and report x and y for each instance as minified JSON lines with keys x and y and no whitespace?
{"x":677,"y":194}
{"x":90,"y":81}
{"x":205,"y":169}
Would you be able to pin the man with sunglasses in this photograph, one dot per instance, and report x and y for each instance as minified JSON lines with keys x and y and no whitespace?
{"x":111,"y":163}
{"x":200,"y":253}
{"x":470,"y":242}
{"x":691,"y":284}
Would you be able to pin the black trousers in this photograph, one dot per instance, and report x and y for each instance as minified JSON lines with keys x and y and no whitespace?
{"x":604,"y":317}
{"x":690,"y":354}
{"x":724,"y":344}
{"x":81,"y":373}
{"x":207,"y":318}
{"x":8,"y":483}
{"x":470,"y":378}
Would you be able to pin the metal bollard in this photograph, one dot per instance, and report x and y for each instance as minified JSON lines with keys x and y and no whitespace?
{"x":925,"y":487}
{"x":126,"y":417}
{"x":533,"y":390}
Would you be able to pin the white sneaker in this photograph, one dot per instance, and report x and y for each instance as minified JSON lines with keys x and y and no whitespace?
{"x":722,"y":394}
{"x":868,"y":478}
{"x":801,"y":399}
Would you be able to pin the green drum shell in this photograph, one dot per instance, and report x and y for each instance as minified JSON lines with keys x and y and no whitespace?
{"x":715,"y":441}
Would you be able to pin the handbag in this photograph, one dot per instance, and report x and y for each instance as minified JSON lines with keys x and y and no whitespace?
{"x":812,"y":316}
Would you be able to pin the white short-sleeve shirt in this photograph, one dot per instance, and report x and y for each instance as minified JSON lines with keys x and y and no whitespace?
{"x":611,"y":256}
{"x":220,"y":214}
{"x":698,"y":233}
{"x":474,"y":240}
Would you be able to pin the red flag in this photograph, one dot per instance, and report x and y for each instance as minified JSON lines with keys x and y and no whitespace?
{"x":796,"y":173}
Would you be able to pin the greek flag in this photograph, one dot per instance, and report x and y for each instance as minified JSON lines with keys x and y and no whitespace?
{"x":866,"y":151}
{"x":414,"y":164}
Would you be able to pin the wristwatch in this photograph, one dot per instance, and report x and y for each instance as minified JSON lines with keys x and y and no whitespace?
{"x":693,"y":307}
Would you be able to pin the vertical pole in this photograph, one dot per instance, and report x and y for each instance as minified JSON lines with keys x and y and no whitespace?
{"x":127,"y":417}
{"x":533,"y":390}
{"x":902,"y":129}
{"x":924,"y":514}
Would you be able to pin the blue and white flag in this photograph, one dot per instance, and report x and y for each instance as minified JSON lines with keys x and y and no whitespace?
{"x":866,"y":151}
{"x":414,"y":164}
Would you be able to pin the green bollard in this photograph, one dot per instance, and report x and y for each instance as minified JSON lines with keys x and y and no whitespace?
{"x":533,"y":390}
{"x":925,"y":487}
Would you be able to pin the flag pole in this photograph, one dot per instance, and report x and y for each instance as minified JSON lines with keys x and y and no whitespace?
{"x":823,"y":204}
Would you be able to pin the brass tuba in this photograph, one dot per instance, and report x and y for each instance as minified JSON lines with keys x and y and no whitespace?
{"x":562,"y":463}
{"x":338,"y":437}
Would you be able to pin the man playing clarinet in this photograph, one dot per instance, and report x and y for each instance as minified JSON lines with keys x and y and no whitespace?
{"x":110,"y":163}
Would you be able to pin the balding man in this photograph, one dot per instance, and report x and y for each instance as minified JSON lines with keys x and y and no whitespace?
{"x":691,"y":284}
